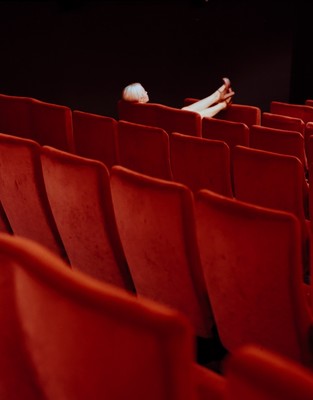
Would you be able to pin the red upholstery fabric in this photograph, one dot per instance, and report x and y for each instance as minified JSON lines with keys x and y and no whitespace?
{"x":5,"y":226}
{"x":176,"y":120}
{"x":79,"y":193}
{"x":23,"y":194}
{"x":95,"y":136}
{"x":276,"y":181}
{"x":140,"y":113}
{"x":155,"y":219}
{"x":233,"y":133}
{"x":301,"y":111}
{"x":252,"y":373}
{"x":249,"y":115}
{"x":89,"y":340}
{"x":17,"y":377}
{"x":251,"y":258}
{"x":201,"y":163}
{"x":144,"y":149}
{"x":308,"y":132}
{"x":15,"y":116}
{"x":282,"y":122}
{"x":46,"y":123}
{"x":309,"y":102}
{"x":279,"y":141}
{"x":270,"y":180}
{"x":52,"y":125}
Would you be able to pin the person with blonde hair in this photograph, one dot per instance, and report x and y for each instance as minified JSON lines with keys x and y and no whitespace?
{"x":206,"y":107}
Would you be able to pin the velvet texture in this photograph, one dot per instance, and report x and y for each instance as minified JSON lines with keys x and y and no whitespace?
{"x":140,"y":113}
{"x":95,"y":136}
{"x":46,"y":123}
{"x":168,"y":118}
{"x":201,"y":163}
{"x":301,"y":111}
{"x":83,"y":339}
{"x":308,"y":132}
{"x":52,"y":125}
{"x":249,"y":115}
{"x":176,"y":120}
{"x":144,"y":149}
{"x":23,"y":194}
{"x":279,"y":141}
{"x":155,"y":219}
{"x":232,"y":133}
{"x":79,"y":193}
{"x":257,"y":374}
{"x":282,"y":122}
{"x":252,"y":263}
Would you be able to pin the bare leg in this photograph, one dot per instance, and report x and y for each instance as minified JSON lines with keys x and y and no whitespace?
{"x":212,"y":111}
{"x":222,"y":94}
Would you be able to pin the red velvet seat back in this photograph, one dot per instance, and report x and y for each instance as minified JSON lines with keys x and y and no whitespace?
{"x":251,"y":258}
{"x":95,"y":136}
{"x":278,"y":141}
{"x":252,"y":373}
{"x":308,"y":132}
{"x":23,"y":194}
{"x":144,"y":149}
{"x":201,"y":163}
{"x":140,"y":113}
{"x":156,"y":224}
{"x":176,"y":120}
{"x":79,"y":193}
{"x":89,"y":340}
{"x":301,"y":111}
{"x":15,"y":116}
{"x":269,"y":179}
{"x":232,"y":133}
{"x":282,"y":122}
{"x":52,"y":125}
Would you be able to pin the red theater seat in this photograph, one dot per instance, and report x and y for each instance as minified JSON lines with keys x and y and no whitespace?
{"x":304,"y":112}
{"x":144,"y":149}
{"x":95,"y":136}
{"x":253,"y":373}
{"x":201,"y":163}
{"x":83,"y":339}
{"x":23,"y":194}
{"x":252,"y":262}
{"x":282,"y":122}
{"x":155,"y":219}
{"x":79,"y":192}
{"x":279,"y":141}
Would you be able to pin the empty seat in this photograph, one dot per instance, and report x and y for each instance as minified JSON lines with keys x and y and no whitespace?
{"x":139,"y":113}
{"x":301,"y":111}
{"x":95,"y":136}
{"x":232,"y":133}
{"x":52,"y":125}
{"x":177,"y":120}
{"x":276,"y":181}
{"x":252,"y":262}
{"x":23,"y":194}
{"x":15,"y":116}
{"x":279,"y":141}
{"x":144,"y":149}
{"x":308,"y":132}
{"x":282,"y":122}
{"x":85,"y":339}
{"x":79,"y":193}
{"x":253,"y":373}
{"x":155,"y":219}
{"x":201,"y":163}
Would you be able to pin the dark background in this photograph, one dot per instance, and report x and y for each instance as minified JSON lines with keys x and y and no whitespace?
{"x":82,"y":53}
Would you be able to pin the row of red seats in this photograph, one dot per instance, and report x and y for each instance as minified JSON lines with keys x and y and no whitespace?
{"x":64,"y":335}
{"x":140,"y":233}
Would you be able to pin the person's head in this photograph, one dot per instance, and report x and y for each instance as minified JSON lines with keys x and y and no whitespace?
{"x":135,"y":93}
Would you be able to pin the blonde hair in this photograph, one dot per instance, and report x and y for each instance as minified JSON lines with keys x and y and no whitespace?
{"x":132,"y":92}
